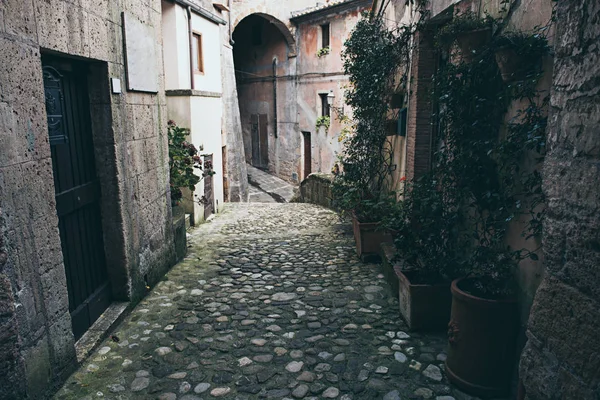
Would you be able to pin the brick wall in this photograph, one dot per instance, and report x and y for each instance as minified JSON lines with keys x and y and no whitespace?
{"x":562,"y":357}
{"x":419,"y":128}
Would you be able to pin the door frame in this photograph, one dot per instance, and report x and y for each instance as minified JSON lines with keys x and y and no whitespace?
{"x":111,"y":201}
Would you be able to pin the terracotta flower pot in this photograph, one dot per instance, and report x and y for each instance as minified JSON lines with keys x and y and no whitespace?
{"x":471,"y":42}
{"x":423,"y":306}
{"x":514,"y":67}
{"x":368,"y":237}
{"x":482,"y":336}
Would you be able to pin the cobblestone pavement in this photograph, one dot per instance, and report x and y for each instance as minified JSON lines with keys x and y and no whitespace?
{"x":266,"y":188}
{"x":271,"y":302}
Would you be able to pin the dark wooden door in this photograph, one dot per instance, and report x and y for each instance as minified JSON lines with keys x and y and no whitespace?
{"x":209,"y":193}
{"x":264,"y":140}
{"x":260,"y":140}
{"x":307,"y":154}
{"x":77,"y":190}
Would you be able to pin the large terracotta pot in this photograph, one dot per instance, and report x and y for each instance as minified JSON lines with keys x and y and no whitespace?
{"x":482,"y":336}
{"x":368,"y":237}
{"x":423,"y":307}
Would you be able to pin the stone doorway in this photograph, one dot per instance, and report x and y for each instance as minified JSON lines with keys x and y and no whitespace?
{"x":77,"y":190}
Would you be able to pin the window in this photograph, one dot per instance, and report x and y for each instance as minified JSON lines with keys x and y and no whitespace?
{"x":325,"y":111}
{"x":401,"y":130}
{"x":198,"y":60}
{"x":324,"y":36}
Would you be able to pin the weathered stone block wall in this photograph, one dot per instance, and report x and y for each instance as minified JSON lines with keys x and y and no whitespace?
{"x":316,"y":189}
{"x":131,"y":156}
{"x":562,"y":357}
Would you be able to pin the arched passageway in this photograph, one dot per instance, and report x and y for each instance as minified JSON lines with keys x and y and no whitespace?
{"x":264,"y":51}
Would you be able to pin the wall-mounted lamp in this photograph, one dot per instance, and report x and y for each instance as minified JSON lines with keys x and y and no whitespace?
{"x":339,"y":111}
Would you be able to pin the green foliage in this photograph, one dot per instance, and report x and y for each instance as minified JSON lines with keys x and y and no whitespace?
{"x":481,"y":174}
{"x":373,"y":55}
{"x":426,"y":227}
{"x":323,"y":51}
{"x":184,"y":160}
{"x":467,"y":22}
{"x":324,"y":120}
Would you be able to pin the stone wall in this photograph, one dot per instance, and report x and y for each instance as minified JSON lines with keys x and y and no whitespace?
{"x":562,"y":357}
{"x":129,"y":132}
{"x":316,"y":189}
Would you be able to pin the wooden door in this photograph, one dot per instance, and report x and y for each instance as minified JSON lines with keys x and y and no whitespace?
{"x":209,"y":195}
{"x":260,"y":140}
{"x":77,"y":190}
{"x":264,"y":141}
{"x":225,"y":177}
{"x":307,"y":154}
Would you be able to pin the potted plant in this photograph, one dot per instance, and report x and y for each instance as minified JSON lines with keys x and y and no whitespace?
{"x":366,"y":209}
{"x":426,"y":227}
{"x":519,"y":55}
{"x":482,"y":333}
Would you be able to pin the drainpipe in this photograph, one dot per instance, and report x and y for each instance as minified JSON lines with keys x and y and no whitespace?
{"x":275,"y":96}
{"x":191,"y":35}
{"x":231,"y":42}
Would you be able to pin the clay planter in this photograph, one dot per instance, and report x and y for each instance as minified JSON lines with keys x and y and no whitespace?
{"x":472,"y":41}
{"x":482,"y":337}
{"x":423,"y":307}
{"x":514,"y":67}
{"x":368,"y":237}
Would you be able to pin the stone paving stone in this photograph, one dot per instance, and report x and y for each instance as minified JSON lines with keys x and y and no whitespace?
{"x":270,"y":302}
{"x":267,"y":188}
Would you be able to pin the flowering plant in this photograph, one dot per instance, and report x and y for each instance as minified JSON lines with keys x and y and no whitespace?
{"x":184,"y":160}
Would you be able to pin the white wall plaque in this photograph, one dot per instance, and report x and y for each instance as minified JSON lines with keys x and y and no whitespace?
{"x":116,"y":85}
{"x":140,"y":55}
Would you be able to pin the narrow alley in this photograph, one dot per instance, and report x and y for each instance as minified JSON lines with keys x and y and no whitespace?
{"x":270,"y":302}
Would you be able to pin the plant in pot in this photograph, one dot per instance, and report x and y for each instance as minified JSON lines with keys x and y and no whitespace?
{"x":519,"y":55}
{"x":426,"y":224}
{"x":367,"y":209}
{"x":184,"y":161}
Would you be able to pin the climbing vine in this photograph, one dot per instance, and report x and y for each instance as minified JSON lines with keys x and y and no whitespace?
{"x":376,"y":60}
{"x":486,"y":170}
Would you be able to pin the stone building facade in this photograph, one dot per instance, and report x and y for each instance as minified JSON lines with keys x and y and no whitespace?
{"x":84,"y":177}
{"x":562,"y":356}
{"x":284,"y":79}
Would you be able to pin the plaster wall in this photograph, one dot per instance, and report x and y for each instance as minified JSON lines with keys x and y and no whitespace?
{"x":210,"y":79}
{"x":129,"y":132}
{"x":177,"y":52}
{"x":200,"y":109}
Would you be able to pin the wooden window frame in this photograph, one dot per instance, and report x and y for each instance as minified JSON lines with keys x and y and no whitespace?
{"x":197,"y":36}
{"x":325,"y":109}
{"x":323,"y":36}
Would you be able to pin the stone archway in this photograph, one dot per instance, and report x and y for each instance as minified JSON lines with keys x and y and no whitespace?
{"x":282,"y":27}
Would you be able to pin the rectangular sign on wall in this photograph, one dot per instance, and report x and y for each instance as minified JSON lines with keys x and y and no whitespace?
{"x":140,"y":55}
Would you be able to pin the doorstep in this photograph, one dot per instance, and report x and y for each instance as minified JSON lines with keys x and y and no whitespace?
{"x":99,"y":330}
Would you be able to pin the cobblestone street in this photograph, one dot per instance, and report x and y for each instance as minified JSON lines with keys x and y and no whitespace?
{"x":267,"y":188}
{"x":271,"y":302}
